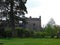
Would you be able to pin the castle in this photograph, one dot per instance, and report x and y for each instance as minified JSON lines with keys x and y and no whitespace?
{"x":33,"y":23}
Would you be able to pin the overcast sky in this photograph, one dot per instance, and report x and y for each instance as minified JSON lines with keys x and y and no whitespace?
{"x":45,"y":8}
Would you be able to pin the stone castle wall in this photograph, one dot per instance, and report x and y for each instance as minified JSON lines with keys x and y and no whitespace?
{"x":34,"y":23}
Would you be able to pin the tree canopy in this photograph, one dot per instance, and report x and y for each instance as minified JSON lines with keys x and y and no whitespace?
{"x":12,"y":10}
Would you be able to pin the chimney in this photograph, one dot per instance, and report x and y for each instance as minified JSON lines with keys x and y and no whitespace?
{"x":40,"y":17}
{"x":30,"y":17}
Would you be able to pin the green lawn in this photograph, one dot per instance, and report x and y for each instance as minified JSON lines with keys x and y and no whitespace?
{"x":30,"y":41}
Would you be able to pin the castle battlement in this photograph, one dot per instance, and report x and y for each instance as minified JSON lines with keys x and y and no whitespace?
{"x":33,"y":23}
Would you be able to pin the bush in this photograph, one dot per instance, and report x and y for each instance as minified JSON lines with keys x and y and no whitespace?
{"x":2,"y":33}
{"x":39,"y":34}
{"x":8,"y":32}
{"x":30,"y":33}
{"x":23,"y":32}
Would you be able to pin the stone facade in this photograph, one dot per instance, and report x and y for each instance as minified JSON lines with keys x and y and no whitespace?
{"x":33,"y":23}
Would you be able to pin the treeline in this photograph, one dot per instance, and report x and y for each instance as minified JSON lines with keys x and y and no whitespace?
{"x":47,"y":32}
{"x":51,"y":30}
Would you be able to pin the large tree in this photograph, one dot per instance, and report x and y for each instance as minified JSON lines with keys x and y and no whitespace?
{"x":51,"y":28}
{"x":12,"y":10}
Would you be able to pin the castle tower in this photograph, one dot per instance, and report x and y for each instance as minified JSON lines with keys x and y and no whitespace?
{"x":34,"y":23}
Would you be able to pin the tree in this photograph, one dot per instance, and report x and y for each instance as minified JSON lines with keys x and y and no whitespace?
{"x":50,"y":28}
{"x":51,"y":22}
{"x":57,"y":30}
{"x":12,"y":9}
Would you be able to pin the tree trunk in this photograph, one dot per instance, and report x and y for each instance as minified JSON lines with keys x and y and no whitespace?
{"x":12,"y":21}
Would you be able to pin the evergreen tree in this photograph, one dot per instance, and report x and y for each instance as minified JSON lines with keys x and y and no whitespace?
{"x":12,"y":10}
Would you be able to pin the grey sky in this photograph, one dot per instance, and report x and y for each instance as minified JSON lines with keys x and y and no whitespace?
{"x":45,"y":8}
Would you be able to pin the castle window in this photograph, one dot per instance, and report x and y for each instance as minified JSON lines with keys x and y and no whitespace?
{"x":34,"y":26}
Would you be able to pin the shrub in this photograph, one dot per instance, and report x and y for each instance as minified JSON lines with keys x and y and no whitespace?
{"x":8,"y":32}
{"x":39,"y":34}
{"x":22,"y":32}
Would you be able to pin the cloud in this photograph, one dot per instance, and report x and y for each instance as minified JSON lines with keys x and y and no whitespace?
{"x":46,"y":8}
{"x":33,"y":3}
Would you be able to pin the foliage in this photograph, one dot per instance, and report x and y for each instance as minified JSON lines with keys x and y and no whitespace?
{"x":22,"y":32}
{"x":12,"y":10}
{"x":29,"y":33}
{"x":39,"y":34}
{"x":8,"y":34}
{"x":51,"y":31}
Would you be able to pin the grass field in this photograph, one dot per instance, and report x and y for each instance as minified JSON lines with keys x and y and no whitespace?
{"x":30,"y":41}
